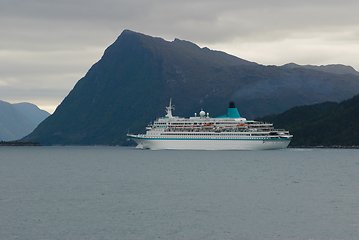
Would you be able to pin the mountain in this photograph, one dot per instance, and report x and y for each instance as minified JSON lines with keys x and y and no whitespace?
{"x":137,"y":75}
{"x":32,"y":112}
{"x":325,"y":124}
{"x":18,"y":120}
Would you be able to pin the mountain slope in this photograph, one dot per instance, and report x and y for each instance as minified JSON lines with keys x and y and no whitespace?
{"x":324,"y":124}
{"x":32,"y":112}
{"x":137,"y":75}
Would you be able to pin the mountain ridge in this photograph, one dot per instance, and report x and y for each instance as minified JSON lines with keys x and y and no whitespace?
{"x":331,"y":68}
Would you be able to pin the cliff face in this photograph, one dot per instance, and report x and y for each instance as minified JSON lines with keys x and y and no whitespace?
{"x":138,"y":74}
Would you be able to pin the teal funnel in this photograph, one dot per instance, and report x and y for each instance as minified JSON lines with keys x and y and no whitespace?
{"x":232,"y":112}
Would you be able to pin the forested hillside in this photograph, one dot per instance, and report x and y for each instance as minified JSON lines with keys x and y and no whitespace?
{"x":324,"y":124}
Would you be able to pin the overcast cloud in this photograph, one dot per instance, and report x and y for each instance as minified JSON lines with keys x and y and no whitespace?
{"x":47,"y":46}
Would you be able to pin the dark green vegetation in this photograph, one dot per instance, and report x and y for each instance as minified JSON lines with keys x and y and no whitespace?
{"x":138,"y":74}
{"x":18,"y":120}
{"x":324,"y":124}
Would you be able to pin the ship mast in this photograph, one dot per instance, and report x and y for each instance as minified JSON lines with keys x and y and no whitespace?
{"x":169,"y":110}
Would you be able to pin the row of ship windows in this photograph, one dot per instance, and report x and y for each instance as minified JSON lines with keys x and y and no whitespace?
{"x":190,"y":124}
{"x":200,"y":134}
{"x":211,"y":134}
{"x":227,"y":137}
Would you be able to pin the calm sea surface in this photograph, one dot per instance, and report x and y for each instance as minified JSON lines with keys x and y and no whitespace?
{"x":126,"y":193}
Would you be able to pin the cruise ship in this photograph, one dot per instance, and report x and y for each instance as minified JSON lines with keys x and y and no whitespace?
{"x":202,"y":132}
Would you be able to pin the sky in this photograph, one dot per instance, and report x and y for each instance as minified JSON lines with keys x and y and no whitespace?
{"x":46,"y":46}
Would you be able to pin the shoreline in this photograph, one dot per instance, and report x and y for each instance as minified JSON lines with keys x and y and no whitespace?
{"x":22,"y":144}
{"x":328,"y":147}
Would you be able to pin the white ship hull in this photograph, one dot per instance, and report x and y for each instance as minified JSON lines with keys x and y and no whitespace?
{"x":212,"y":144}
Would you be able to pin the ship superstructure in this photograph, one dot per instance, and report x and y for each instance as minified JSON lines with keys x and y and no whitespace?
{"x":202,"y":132}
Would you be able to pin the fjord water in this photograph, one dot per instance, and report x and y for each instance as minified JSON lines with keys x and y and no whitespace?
{"x":126,"y":193}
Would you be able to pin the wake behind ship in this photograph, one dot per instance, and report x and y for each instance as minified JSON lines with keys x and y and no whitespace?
{"x":227,"y":132}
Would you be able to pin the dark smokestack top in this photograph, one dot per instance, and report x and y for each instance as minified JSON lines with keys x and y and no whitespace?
{"x":231,"y":105}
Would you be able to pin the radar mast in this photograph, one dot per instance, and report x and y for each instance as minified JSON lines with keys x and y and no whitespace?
{"x":169,"y":109}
